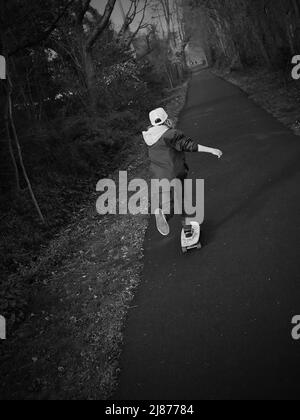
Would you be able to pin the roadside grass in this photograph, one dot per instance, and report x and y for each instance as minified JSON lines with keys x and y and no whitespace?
{"x":275,"y":91}
{"x":79,"y":290}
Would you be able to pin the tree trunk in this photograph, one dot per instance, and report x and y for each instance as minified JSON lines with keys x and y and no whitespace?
{"x":91,"y":82}
{"x":12,"y":155}
{"x":15,"y":137}
{"x":169,"y":76}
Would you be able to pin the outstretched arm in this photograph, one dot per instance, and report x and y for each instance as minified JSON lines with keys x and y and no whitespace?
{"x":185,"y":144}
{"x":215,"y":152}
{"x":182,"y":143}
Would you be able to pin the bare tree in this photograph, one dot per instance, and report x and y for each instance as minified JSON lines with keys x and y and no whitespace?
{"x":87,"y":26}
{"x":128,"y":18}
{"x":126,"y":36}
{"x":141,"y":25}
{"x":170,"y":17}
{"x":10,"y":124}
{"x":101,"y":25}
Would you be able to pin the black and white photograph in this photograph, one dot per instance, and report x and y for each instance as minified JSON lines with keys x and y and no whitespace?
{"x":149,"y":203}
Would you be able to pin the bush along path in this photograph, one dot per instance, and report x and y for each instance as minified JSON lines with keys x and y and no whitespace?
{"x":79,"y":291}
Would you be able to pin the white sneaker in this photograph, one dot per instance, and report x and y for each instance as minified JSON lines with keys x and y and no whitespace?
{"x":161,"y":223}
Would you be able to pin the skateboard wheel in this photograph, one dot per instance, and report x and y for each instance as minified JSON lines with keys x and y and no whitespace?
{"x":184,"y":250}
{"x":199,"y":246}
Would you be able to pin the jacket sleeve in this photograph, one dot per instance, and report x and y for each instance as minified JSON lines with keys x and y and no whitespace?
{"x":182,"y":143}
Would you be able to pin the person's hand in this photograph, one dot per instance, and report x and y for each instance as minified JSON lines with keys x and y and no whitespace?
{"x":217,"y":153}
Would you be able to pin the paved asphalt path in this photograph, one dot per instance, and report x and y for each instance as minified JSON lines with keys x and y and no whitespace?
{"x":216,"y":324}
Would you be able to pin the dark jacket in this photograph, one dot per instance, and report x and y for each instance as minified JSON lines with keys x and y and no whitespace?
{"x":167,"y":154}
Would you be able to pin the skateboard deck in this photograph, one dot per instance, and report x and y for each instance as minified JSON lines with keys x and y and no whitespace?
{"x":192,"y":242}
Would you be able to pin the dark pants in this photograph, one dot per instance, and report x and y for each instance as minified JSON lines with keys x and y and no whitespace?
{"x":168,"y":197}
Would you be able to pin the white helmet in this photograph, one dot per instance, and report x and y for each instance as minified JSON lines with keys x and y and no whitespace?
{"x":158,"y":117}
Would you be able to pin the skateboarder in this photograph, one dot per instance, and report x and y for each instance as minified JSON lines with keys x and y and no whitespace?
{"x":167,"y":147}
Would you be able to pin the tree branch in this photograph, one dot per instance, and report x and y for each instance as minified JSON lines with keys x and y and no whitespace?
{"x":129,"y":18}
{"x":140,"y":26}
{"x":84,"y":8}
{"x":103,"y":23}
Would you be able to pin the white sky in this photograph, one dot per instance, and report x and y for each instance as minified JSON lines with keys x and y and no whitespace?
{"x":117,"y":15}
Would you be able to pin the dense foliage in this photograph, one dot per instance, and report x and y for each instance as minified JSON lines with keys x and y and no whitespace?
{"x":240,"y":33}
{"x":76,"y":97}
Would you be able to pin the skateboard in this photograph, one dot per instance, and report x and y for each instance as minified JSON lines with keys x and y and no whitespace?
{"x":191,"y":239}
